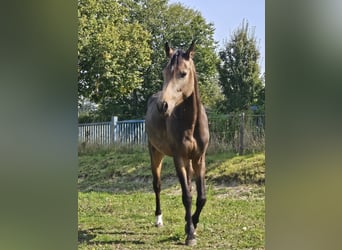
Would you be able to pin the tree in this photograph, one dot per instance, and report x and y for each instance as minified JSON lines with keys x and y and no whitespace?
{"x":150,"y":14}
{"x":177,"y":25}
{"x":121,"y":52}
{"x":112,"y":52}
{"x":188,"y":25}
{"x":239,"y":71}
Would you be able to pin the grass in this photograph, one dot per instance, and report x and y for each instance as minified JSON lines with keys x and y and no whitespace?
{"x":116,"y":203}
{"x":248,"y":169}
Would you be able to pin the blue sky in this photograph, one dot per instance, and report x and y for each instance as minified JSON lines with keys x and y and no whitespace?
{"x":227,"y":15}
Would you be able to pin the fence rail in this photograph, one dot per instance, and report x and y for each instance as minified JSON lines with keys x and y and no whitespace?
{"x":239,"y":133}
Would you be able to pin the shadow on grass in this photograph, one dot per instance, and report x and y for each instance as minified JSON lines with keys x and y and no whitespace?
{"x":87,"y":236}
{"x":116,"y":242}
{"x":84,"y":236}
{"x":174,"y":239}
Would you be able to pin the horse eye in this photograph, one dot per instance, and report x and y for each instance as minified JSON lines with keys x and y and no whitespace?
{"x":182,"y":74}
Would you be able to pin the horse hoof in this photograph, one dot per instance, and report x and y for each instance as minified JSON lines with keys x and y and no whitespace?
{"x":190,"y":242}
{"x":158,"y":224}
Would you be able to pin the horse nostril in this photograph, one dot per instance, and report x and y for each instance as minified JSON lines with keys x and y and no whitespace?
{"x":165,"y":106}
{"x":162,"y":107}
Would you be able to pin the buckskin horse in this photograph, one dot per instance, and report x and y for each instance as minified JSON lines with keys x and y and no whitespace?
{"x":177,"y":126}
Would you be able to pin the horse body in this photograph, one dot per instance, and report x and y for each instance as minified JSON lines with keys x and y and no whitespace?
{"x":177,"y":126}
{"x":172,"y":135}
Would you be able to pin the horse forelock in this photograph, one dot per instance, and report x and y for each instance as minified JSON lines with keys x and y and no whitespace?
{"x":174,"y":61}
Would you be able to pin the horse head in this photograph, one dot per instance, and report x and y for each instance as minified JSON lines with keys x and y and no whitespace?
{"x":179,"y":79}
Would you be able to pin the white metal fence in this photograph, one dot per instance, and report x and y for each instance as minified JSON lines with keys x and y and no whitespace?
{"x":104,"y":133}
{"x":240,"y":133}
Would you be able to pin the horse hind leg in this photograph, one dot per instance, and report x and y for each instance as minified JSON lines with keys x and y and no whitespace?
{"x":156,"y":165}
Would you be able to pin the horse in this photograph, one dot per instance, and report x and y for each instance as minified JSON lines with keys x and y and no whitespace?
{"x":177,"y":126}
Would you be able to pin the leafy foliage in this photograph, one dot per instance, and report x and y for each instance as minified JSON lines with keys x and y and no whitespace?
{"x":185,"y":25}
{"x":121,"y":52}
{"x":111,"y":51}
{"x":239,"y":71}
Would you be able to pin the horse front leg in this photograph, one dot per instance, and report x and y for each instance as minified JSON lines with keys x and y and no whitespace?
{"x":156,"y":165}
{"x":199,"y":170}
{"x":182,"y":172}
{"x":189,"y":173}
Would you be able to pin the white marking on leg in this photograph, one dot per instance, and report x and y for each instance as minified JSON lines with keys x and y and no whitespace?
{"x":159,"y":220}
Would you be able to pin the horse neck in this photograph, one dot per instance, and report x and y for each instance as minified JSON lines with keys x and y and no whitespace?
{"x":192,"y":107}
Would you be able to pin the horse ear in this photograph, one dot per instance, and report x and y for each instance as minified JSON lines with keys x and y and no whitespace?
{"x":168,"y":50}
{"x":190,"y":52}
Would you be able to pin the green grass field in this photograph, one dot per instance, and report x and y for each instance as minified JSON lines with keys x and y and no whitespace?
{"x":116,"y":203}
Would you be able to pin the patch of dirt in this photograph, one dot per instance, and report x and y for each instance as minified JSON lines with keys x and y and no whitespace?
{"x":233,"y":191}
{"x":241,"y":192}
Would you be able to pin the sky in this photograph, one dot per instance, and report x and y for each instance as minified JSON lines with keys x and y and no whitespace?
{"x":227,"y":16}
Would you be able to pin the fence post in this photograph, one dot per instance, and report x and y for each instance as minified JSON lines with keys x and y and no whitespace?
{"x":113,"y":130}
{"x":242,"y":132}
